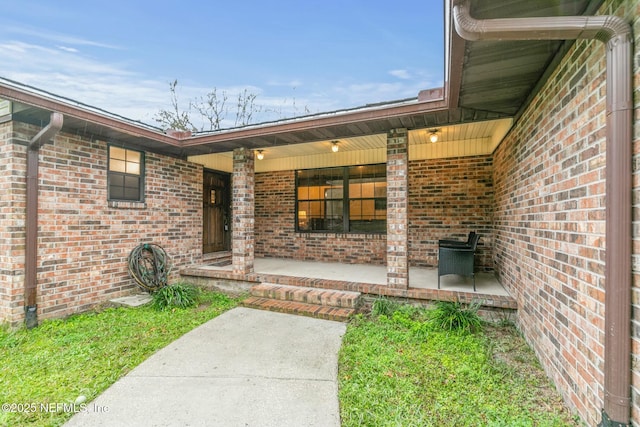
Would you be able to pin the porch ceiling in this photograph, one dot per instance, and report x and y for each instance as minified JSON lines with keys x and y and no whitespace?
{"x":502,"y":76}
{"x":488,"y":130}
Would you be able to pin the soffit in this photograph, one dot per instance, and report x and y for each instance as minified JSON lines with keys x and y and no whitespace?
{"x":490,"y":130}
{"x":363,"y":128}
{"x":500,"y":76}
{"x":362,"y":133}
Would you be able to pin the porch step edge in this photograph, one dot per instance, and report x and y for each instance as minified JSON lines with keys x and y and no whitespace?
{"x":317,"y":296}
{"x":218,"y":259}
{"x":299,"y":308}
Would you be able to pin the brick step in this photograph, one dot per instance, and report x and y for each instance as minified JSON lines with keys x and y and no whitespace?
{"x":300,"y":308}
{"x":219,"y":259}
{"x":325,"y":297}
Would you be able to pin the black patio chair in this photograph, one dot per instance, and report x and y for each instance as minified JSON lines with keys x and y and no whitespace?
{"x":457,"y":243}
{"x":457,"y":258}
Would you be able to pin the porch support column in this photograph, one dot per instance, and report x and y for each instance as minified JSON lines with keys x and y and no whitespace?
{"x":243,"y":210}
{"x":397,"y":203}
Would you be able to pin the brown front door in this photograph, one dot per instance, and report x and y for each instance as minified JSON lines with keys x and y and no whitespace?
{"x":215,"y":212}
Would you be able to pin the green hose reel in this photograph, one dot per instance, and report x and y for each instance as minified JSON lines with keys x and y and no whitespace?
{"x":149,"y":266}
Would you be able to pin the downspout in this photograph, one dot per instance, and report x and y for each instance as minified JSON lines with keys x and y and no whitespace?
{"x":31,"y":239}
{"x":616,"y":34}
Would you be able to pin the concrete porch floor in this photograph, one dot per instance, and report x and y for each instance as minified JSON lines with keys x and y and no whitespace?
{"x":423,"y":278}
{"x":367,"y":279}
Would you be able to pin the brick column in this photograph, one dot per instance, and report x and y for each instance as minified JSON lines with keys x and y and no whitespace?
{"x":243,"y":211}
{"x":397,"y":203}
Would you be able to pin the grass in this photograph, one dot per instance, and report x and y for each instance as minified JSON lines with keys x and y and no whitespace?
{"x":178,"y":295}
{"x":402,"y":369}
{"x":398,"y":367}
{"x":454,"y":316}
{"x":61,"y":360}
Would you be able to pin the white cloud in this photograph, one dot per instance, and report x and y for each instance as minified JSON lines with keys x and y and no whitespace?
{"x":15,"y":56}
{"x":290,"y":83}
{"x":373,"y":92}
{"x":68,"y":73}
{"x":57,"y":37}
{"x":116,"y":87}
{"x":68,"y":49}
{"x":401,"y":74}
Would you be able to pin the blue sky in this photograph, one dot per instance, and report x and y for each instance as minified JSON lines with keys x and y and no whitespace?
{"x":296,"y":56}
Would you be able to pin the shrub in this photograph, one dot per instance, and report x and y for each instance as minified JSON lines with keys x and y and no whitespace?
{"x":456,"y":316}
{"x":384,"y":307}
{"x":179,"y":295}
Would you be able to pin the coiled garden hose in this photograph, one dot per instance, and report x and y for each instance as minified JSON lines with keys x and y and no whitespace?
{"x":149,"y":266}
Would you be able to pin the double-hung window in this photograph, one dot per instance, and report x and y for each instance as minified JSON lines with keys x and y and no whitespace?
{"x":342,"y":199}
{"x":126,"y":174}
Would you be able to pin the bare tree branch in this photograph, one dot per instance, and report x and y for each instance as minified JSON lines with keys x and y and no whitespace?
{"x":174,"y":118}
{"x":212,"y":108}
{"x":245,"y":108}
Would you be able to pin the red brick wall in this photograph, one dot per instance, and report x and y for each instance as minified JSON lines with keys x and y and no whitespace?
{"x":448,"y":198}
{"x":550,"y":226}
{"x":12,"y":182}
{"x":243,"y":211}
{"x":397,"y":208}
{"x":84,"y":241}
{"x":276,"y":236}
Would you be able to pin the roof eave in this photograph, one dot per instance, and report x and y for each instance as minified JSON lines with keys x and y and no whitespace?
{"x":432,"y":100}
{"x":137,"y":129}
{"x":320,"y":121}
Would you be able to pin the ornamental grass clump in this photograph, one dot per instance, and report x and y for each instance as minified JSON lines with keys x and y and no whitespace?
{"x":384,"y":307}
{"x":179,"y":295}
{"x":456,"y":316}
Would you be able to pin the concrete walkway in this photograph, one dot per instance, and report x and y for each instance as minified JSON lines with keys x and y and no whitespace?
{"x":244,"y":368}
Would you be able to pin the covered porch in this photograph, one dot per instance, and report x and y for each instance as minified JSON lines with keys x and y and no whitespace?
{"x":370,"y":280}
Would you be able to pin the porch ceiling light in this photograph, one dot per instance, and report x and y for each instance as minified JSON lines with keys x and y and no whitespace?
{"x":260,"y":155}
{"x":433,"y":135}
{"x":334,"y":146}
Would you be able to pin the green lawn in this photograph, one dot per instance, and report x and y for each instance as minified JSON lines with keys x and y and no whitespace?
{"x":397,"y":369}
{"x":61,"y":360}
{"x":402,"y":370}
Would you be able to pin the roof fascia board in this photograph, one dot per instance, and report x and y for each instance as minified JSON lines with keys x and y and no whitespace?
{"x":325,"y":120}
{"x":318,"y":122}
{"x":39,"y":101}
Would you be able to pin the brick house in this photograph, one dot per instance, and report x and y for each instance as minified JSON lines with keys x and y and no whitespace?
{"x":526,"y":156}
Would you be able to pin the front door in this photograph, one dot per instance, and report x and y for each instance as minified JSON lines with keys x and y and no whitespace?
{"x":215,"y":212}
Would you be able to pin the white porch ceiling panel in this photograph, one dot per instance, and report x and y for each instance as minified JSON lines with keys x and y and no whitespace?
{"x":468,"y":139}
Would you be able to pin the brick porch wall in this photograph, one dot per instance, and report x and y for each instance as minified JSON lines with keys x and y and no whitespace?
{"x":83,"y":242}
{"x":448,"y":198}
{"x":276,"y":236}
{"x":550,"y":224}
